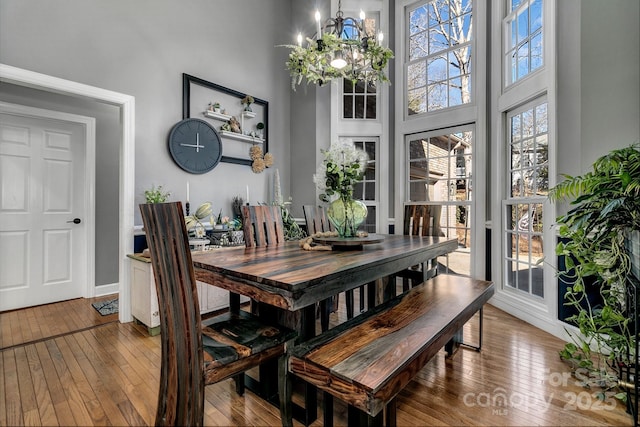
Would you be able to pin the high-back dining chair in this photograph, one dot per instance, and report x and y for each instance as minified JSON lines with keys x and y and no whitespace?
{"x":195,"y":352}
{"x":424,"y":220}
{"x":317,"y":222}
{"x":262,"y":225}
{"x":421,"y":220}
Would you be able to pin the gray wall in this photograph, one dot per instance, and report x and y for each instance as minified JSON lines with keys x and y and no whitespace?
{"x":598,"y":80}
{"x":141,"y":48}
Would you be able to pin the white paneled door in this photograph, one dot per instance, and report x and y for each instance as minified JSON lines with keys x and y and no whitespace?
{"x":43,"y":210}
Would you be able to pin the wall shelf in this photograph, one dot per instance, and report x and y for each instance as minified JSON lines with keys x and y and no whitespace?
{"x":199,"y":92}
{"x":240,"y":137}
{"x":217,"y":116}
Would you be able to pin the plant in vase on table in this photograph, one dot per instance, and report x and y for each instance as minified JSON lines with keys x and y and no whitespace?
{"x":342,"y":167}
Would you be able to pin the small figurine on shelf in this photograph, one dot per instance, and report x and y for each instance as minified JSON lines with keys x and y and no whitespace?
{"x":235,"y":125}
{"x":226,"y":127}
{"x":216,"y":107}
{"x":247,"y":101}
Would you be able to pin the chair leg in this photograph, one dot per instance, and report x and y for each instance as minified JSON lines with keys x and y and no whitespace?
{"x":361,"y":298}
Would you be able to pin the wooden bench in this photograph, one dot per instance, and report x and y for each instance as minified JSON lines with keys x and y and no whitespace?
{"x":367,"y":360}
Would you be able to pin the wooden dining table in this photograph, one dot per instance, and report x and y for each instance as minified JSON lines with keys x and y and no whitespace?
{"x":288,"y":281}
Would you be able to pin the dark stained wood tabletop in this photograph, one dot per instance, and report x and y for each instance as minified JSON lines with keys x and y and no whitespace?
{"x":288,"y":277}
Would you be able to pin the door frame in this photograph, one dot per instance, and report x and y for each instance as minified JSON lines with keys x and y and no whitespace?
{"x":89,"y":126}
{"x":126,"y":103}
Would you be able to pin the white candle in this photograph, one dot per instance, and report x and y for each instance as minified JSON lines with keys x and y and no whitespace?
{"x":247,"y":201}
{"x":318,"y":29}
{"x":187,"y":191}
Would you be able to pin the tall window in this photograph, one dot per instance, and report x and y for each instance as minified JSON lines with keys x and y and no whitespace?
{"x":359,"y":99}
{"x":523,"y":39}
{"x":439,"y":169}
{"x":438,"y":66}
{"x":367,"y":189}
{"x":528,"y":151}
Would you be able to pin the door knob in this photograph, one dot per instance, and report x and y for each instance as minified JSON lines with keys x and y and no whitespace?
{"x":75,"y":221}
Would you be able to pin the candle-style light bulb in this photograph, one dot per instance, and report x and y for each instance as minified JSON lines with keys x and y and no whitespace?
{"x":299,"y":39}
{"x":318,"y":29}
{"x":362,"y":14}
{"x":380,"y":38}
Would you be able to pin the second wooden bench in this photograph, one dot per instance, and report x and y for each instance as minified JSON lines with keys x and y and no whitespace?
{"x":369,"y":359}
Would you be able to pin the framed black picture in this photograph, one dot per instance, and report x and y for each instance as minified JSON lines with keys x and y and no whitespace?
{"x":240,"y":125}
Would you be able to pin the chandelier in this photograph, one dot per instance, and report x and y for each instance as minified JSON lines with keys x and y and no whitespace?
{"x":340,"y":49}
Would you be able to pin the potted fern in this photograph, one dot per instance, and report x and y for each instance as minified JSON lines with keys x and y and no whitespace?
{"x":604,"y":214}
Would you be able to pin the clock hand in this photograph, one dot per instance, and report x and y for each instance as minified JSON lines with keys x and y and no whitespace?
{"x":197,"y":145}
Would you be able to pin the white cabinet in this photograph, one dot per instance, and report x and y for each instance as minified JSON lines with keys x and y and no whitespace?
{"x":144,"y":299}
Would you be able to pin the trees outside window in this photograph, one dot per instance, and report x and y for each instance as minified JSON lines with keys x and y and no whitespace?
{"x":438,"y":66}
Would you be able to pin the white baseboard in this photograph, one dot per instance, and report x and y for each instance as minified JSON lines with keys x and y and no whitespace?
{"x":109,"y":289}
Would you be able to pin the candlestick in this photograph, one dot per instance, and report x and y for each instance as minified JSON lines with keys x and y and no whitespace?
{"x":247,"y":194}
{"x":186,"y":208}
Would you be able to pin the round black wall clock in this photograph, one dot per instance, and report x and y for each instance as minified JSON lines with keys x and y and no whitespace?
{"x":195,"y":145}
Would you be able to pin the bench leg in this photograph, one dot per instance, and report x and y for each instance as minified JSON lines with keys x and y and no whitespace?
{"x":358,"y":418}
{"x":452,"y":346}
{"x":285,"y":391}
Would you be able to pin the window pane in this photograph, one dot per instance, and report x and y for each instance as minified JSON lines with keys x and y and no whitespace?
{"x":416,"y":75}
{"x":418,"y":149}
{"x":348,"y":86}
{"x":417,"y":101}
{"x":418,"y":46}
{"x":437,"y":96}
{"x":370,"y":112}
{"x":359,"y":107}
{"x":536,"y":51}
{"x":347,"y":106}
{"x":523,"y":25}
{"x":418,"y":170}
{"x":536,"y":15}
{"x":437,"y":69}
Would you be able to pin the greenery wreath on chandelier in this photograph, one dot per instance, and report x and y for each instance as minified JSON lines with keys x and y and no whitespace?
{"x":312,"y":64}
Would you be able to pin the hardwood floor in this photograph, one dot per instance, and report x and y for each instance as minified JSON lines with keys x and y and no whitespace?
{"x":107,"y":374}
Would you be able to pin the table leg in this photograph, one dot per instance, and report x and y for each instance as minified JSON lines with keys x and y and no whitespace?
{"x":308,"y":331}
